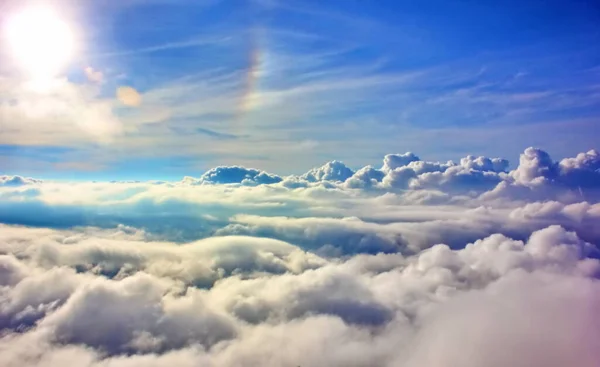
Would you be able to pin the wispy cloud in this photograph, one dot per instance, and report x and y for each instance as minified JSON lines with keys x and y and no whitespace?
{"x":198,"y":42}
{"x":269,"y":84}
{"x":216,"y":134}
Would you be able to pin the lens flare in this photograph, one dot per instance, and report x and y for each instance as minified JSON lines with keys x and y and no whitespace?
{"x":128,"y":96}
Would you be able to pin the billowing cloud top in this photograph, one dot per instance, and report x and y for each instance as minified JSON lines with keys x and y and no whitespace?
{"x":16,"y":181}
{"x":415,"y":264}
{"x":472,"y":175}
{"x":331,"y":171}
{"x":235,"y":174}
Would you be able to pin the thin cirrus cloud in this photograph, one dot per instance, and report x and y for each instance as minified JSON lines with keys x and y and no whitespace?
{"x":276,"y":83}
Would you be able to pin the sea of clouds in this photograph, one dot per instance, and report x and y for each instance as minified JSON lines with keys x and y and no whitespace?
{"x":411,"y":264}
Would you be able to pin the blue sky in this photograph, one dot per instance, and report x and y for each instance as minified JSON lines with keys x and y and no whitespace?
{"x":287,"y":85}
{"x":172,"y":191}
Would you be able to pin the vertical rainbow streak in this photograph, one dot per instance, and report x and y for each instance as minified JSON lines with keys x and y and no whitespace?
{"x":250,"y":96}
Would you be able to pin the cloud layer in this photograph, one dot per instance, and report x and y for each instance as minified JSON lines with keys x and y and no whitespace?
{"x":415,"y":263}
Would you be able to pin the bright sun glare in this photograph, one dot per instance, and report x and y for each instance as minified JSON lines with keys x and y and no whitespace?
{"x":41,"y":41}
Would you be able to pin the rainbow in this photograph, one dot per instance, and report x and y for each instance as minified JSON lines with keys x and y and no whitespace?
{"x":250,"y":98}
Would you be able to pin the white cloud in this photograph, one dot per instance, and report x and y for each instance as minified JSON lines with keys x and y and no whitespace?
{"x":414,"y":206}
{"x":394,"y":267}
{"x":393,"y":161}
{"x":235,"y":174}
{"x":60,"y":114}
{"x":534,"y":298}
{"x":331,"y":171}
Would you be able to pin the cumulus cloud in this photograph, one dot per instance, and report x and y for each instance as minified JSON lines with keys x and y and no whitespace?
{"x":365,"y":177}
{"x":17,"y":181}
{"x":413,"y":206}
{"x":393,"y":161}
{"x":539,"y":177}
{"x":235,"y":174}
{"x":415,"y":264}
{"x":363,"y":310}
{"x":484,"y":164}
{"x":331,"y":171}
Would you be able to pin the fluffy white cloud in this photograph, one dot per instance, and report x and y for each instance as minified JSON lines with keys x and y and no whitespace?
{"x":365,"y":177}
{"x":537,"y":177}
{"x":399,"y":266}
{"x":393,"y":161}
{"x":234,"y":174}
{"x":331,"y":171}
{"x":413,"y":206}
{"x":535,"y":298}
{"x":484,"y":164}
{"x":58,"y":114}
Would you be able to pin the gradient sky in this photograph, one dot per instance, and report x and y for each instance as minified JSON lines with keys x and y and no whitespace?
{"x":229,"y":183}
{"x":287,"y":85}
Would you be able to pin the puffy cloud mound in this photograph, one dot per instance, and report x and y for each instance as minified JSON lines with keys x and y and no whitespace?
{"x":535,"y":298}
{"x":539,"y":177}
{"x":17,"y":181}
{"x":582,"y":171}
{"x":415,"y":264}
{"x":235,"y":174}
{"x":393,"y":161}
{"x":365,"y":177}
{"x":472,"y":175}
{"x":484,"y":164}
{"x":331,"y":171}
{"x":535,"y":166}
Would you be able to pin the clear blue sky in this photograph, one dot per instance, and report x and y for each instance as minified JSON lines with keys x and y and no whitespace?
{"x":285,"y":85}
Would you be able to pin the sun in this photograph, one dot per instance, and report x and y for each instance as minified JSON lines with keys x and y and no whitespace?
{"x":41,"y":42}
